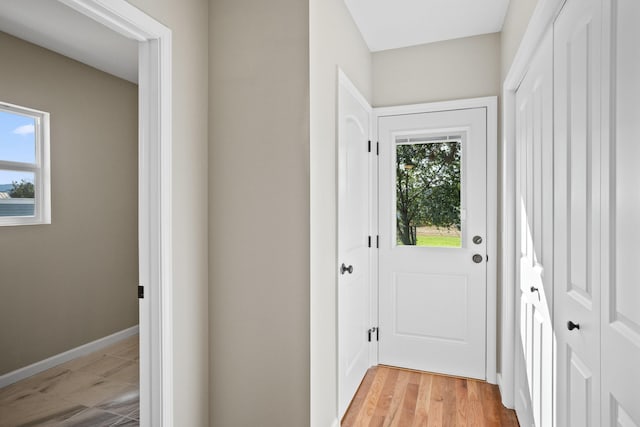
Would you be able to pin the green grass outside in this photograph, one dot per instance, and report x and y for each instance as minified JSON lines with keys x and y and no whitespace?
{"x":439,"y":241}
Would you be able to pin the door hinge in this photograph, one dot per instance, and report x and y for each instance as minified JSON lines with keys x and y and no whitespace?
{"x":371,"y":331}
{"x":140,"y":292}
{"x":369,"y":146}
{"x":369,"y":242}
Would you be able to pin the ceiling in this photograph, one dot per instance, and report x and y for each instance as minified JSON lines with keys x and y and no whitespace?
{"x":384,"y":24}
{"x":61,"y":29}
{"x":391,"y":24}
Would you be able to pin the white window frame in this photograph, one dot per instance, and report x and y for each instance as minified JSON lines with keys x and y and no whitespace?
{"x":41,"y":168}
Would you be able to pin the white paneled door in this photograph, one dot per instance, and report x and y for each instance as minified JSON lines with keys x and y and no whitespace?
{"x":620,"y":160}
{"x":432,"y":255}
{"x":534,"y":239}
{"x":354,"y":229}
{"x":577,"y":196}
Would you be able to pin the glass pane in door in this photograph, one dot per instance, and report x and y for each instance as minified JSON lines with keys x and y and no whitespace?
{"x":428,"y":182}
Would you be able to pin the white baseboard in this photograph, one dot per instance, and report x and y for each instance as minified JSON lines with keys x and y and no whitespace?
{"x":507,"y":401}
{"x":83,"y":350}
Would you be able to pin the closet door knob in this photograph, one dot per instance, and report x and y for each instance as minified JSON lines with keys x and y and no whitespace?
{"x":345,"y":269}
{"x":571,"y":326}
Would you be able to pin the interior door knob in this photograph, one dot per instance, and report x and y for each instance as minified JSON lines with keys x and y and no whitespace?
{"x":571,"y":326}
{"x":477,"y":258}
{"x":534,"y":289}
{"x":345,"y":269}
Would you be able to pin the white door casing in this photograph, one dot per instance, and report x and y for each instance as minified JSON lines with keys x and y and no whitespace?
{"x":154,"y":199}
{"x":620,"y":193}
{"x":432,"y":301}
{"x":355,"y":178}
{"x":577,"y":113}
{"x":534,"y":239}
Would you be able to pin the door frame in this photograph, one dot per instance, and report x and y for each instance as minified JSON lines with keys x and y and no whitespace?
{"x":541,"y":21}
{"x":491,"y":105}
{"x":154,"y":198}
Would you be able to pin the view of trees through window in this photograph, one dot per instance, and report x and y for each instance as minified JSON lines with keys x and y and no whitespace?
{"x":428,"y":194}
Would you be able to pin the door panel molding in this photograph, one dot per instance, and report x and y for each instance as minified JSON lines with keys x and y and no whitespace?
{"x":620,"y":321}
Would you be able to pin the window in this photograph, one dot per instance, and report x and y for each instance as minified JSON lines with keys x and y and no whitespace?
{"x":25,"y":195}
{"x":428,"y":184}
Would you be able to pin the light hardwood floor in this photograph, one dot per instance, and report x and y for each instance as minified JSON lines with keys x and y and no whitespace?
{"x":97,"y":390}
{"x":402,"y":398}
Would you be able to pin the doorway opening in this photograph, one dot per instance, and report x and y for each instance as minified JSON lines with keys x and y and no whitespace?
{"x":153,"y":59}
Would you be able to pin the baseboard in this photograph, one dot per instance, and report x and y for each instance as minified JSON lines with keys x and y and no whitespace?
{"x":335,"y":423}
{"x":83,"y":350}
{"x":507,"y":401}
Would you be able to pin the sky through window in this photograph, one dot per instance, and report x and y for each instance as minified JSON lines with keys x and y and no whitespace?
{"x":17,"y":144}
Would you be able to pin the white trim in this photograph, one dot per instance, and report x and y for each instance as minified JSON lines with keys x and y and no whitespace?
{"x":491,"y":105}
{"x":155,"y":199}
{"x":456,"y":104}
{"x":58,"y":359}
{"x":335,"y":423}
{"x":541,"y":20}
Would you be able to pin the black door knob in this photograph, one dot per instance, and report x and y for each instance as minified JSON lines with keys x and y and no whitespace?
{"x":534,"y":289}
{"x":345,"y":269}
{"x":477,"y":258}
{"x":571,"y":326}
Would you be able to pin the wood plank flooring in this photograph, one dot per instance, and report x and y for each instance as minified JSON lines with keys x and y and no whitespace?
{"x":392,"y":397}
{"x":97,"y":390}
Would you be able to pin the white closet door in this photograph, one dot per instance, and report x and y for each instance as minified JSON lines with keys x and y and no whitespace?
{"x":354,"y":228}
{"x":577,"y":113}
{"x":621,"y":215}
{"x":534,"y":154}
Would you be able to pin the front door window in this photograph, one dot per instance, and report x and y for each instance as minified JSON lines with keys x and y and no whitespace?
{"x":428,"y":184}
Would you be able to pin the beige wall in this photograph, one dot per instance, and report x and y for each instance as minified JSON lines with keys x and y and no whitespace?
{"x":188,"y":21}
{"x":259,"y":213}
{"x":73,"y":281}
{"x":514,"y":27}
{"x":335,"y":42}
{"x":452,"y":69}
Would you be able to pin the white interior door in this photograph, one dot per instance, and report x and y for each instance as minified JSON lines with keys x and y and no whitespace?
{"x":620,"y":324}
{"x":577,"y":107}
{"x":534,"y":239}
{"x":432,"y":293}
{"x":354,"y":229}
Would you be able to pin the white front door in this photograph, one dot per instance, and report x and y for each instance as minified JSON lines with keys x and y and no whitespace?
{"x":354,"y":231}
{"x":534,"y":240}
{"x":577,"y":274}
{"x":432,"y":256}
